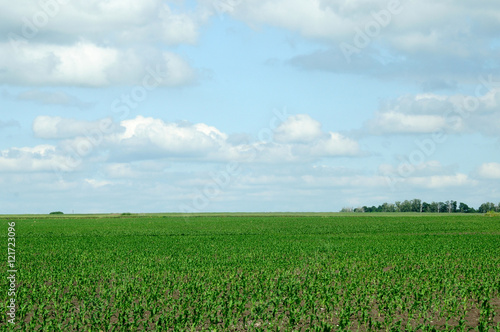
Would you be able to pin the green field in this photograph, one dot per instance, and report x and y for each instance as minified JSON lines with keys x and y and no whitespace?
{"x":257,"y":272}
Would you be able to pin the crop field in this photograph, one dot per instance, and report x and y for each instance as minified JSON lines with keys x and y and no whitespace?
{"x":254,"y":272}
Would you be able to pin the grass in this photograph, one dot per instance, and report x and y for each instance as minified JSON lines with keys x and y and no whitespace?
{"x":256,"y":271}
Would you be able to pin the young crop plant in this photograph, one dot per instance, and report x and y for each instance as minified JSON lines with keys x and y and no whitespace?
{"x":257,"y":273}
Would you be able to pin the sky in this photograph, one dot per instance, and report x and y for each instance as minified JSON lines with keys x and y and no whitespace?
{"x":247,"y":105}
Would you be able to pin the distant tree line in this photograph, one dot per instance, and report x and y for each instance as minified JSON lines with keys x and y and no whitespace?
{"x":417,"y":205}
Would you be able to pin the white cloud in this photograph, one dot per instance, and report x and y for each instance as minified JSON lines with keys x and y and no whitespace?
{"x":300,"y":136}
{"x":335,"y":145}
{"x":397,"y":43}
{"x":120,"y":170}
{"x":87,"y":64}
{"x":404,"y":42}
{"x":398,"y":123}
{"x":441,"y":181}
{"x":336,"y":20}
{"x":113,"y":21}
{"x":136,"y":187}
{"x":154,"y":138}
{"x":50,"y":127}
{"x":426,"y":175}
{"x":97,"y":183}
{"x":299,"y":128}
{"x":94,"y":43}
{"x":490,"y":171}
{"x":427,"y":168}
{"x":310,"y":18}
{"x":430,"y":113}
{"x":358,"y":183}
{"x":145,"y":138}
{"x":81,"y":64}
{"x":169,"y":138}
{"x":178,"y":28}
{"x":343,"y":181}
{"x":141,"y":147}
{"x":40,"y":158}
{"x":178,"y":70}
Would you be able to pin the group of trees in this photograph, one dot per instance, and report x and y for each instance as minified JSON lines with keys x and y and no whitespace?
{"x":417,"y":205}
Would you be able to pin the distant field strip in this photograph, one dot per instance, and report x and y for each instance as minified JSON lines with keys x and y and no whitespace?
{"x":255,"y":272}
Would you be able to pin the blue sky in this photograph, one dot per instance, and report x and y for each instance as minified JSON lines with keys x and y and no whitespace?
{"x":247,"y":105}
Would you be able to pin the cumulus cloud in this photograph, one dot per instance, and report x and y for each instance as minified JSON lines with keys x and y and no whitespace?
{"x":80,"y":64}
{"x":265,"y":186}
{"x":120,"y":170}
{"x":336,"y":144}
{"x":41,"y":158}
{"x":94,"y":43}
{"x":355,"y":182}
{"x":429,"y":174}
{"x":429,"y":113}
{"x":55,"y":127}
{"x":167,"y":139}
{"x":112,"y":21}
{"x":87,"y":64}
{"x":441,"y":181}
{"x":159,"y":139}
{"x":397,"y":123}
{"x":97,"y":183}
{"x":178,"y":71}
{"x":300,"y":135}
{"x":400,"y":43}
{"x":310,"y":18}
{"x":80,"y":142}
{"x":386,"y":38}
{"x":343,"y":181}
{"x":178,"y":28}
{"x":299,"y":128}
{"x":490,"y":171}
{"x":426,"y":168}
